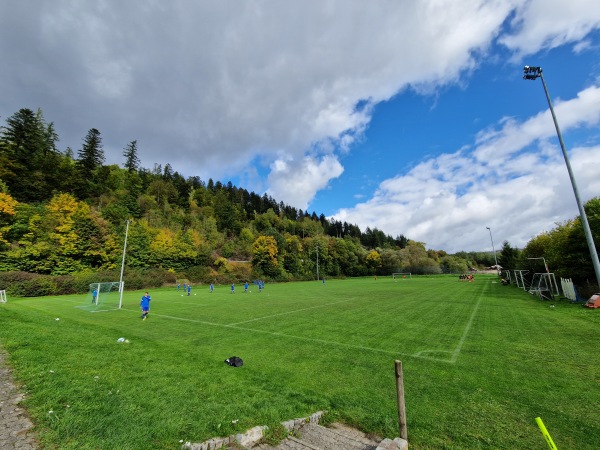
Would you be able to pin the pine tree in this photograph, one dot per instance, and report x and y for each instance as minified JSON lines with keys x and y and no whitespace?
{"x":91,"y":157}
{"x":132,"y":162}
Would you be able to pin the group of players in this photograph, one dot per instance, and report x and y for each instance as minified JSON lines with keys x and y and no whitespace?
{"x":145,"y":302}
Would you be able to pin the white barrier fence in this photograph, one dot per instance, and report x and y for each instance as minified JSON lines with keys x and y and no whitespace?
{"x":568,"y":289}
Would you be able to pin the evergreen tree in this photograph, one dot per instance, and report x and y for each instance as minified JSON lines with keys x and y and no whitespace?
{"x":508,"y":257}
{"x":91,"y":157}
{"x":132,"y":162}
{"x":23,"y":148}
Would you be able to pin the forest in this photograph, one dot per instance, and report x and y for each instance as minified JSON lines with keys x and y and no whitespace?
{"x":64,"y":217}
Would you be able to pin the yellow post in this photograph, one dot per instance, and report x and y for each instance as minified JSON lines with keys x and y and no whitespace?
{"x":546,"y":434}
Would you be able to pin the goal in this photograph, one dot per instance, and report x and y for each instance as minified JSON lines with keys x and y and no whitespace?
{"x":2,"y":296}
{"x":397,"y":275}
{"x":104,"y":296}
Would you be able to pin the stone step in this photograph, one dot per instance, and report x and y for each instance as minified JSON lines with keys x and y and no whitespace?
{"x":336,"y":438}
{"x":317,"y":437}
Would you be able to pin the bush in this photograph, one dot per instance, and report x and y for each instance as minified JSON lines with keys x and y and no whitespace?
{"x":25,"y":284}
{"x":36,"y":287}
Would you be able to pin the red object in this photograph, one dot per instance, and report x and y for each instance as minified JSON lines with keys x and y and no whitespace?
{"x":594,"y":301}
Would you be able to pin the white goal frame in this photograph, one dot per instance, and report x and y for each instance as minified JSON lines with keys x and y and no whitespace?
{"x":520,"y":280}
{"x":2,"y":296}
{"x":401,"y":274}
{"x":98,"y":287}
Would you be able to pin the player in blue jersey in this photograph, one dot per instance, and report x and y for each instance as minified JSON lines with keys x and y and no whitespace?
{"x":145,"y":305}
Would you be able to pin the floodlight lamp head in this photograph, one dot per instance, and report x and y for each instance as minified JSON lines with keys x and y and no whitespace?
{"x":532,"y":72}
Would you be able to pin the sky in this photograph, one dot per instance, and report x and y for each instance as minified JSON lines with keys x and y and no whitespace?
{"x":407,"y":116}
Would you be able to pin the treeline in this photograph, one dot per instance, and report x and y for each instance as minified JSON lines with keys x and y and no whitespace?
{"x":63,"y":214}
{"x":66,"y":215}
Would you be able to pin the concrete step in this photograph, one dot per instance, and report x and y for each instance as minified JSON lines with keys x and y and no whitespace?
{"x":317,"y":437}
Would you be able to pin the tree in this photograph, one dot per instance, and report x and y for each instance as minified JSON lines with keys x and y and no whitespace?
{"x":7,"y":208}
{"x":28,"y":156}
{"x":508,"y":257}
{"x":373,"y":261}
{"x":265,"y":253}
{"x":91,"y":157}
{"x":132,"y":162}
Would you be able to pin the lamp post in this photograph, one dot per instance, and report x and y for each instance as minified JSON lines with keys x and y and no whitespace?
{"x":533,"y":73}
{"x":495,"y":259}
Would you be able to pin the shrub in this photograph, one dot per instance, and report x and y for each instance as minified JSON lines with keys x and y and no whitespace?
{"x":36,"y":287}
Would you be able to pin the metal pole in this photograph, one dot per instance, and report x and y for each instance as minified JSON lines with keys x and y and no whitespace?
{"x":495,"y":259}
{"x":583,"y":216}
{"x":123,"y":266}
{"x":318,"y":262}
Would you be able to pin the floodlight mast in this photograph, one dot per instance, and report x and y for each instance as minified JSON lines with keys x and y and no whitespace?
{"x":533,"y":73}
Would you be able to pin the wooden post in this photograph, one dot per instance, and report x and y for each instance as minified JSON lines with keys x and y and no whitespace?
{"x":401,"y":404}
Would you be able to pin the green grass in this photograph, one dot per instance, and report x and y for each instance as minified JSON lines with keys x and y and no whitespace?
{"x":481,"y":361}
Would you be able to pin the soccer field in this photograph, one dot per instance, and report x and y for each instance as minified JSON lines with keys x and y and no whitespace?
{"x":481,"y":362}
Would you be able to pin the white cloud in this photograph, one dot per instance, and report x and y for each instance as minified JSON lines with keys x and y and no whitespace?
{"x":221,"y":89}
{"x":211,"y":86}
{"x":296,"y":182}
{"x":503,"y":183}
{"x":546,"y":24}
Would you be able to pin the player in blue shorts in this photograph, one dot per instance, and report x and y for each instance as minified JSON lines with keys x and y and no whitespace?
{"x":145,"y":305}
{"x":232,"y":288}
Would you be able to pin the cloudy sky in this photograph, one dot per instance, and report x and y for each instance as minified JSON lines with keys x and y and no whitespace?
{"x":409,"y":116}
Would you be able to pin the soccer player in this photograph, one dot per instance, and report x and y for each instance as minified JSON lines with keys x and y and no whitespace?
{"x":145,"y":305}
{"x":94,"y":297}
{"x":189,"y":289}
{"x":212,"y":287}
{"x":232,"y":288}
{"x":246,"y":287}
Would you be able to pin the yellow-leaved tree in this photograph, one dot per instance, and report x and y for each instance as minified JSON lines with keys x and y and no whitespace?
{"x":7,"y":209}
{"x":264,"y":255}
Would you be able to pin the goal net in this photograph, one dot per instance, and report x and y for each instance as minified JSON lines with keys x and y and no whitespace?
{"x":402,"y":275}
{"x":104,"y":296}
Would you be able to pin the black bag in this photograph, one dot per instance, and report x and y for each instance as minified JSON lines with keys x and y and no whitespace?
{"x":234,"y":361}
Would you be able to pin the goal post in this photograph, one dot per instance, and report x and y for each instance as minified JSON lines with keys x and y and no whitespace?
{"x":104,"y":296}
{"x":396,"y":275}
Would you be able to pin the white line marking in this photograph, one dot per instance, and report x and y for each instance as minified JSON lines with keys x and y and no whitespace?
{"x":303,"y":338}
{"x":290,"y":312}
{"x":458,"y":348}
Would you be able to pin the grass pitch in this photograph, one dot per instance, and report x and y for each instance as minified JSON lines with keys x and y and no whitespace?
{"x":481,"y":362}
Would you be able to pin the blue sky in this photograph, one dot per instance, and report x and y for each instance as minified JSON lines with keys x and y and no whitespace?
{"x":411,"y":117}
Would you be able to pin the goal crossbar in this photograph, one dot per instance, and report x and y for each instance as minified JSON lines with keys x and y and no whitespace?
{"x":401,"y":275}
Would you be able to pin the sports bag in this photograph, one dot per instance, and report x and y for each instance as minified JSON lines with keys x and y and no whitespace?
{"x":234,"y":361}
